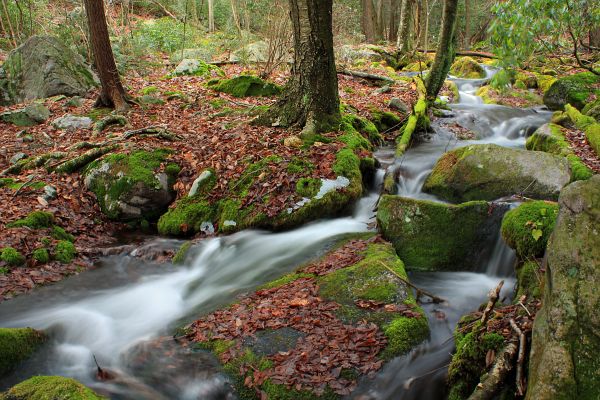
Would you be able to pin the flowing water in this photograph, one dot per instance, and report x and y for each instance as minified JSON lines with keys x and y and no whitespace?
{"x":117,"y":312}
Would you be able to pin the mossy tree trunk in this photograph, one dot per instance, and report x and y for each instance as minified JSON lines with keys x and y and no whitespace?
{"x":445,"y":53}
{"x":310,"y":99}
{"x":405,"y":33}
{"x":112,"y":93}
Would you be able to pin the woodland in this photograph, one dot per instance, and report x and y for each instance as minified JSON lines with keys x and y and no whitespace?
{"x":299,"y":199}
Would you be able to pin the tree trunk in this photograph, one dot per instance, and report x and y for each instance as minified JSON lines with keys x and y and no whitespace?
{"x":368,"y":20}
{"x":310,"y":99}
{"x":445,"y":52}
{"x":426,"y":30}
{"x":236,"y":17}
{"x":211,"y":15}
{"x":405,"y":33}
{"x":594,"y":39}
{"x":112,"y":93}
{"x":393,"y":20}
{"x":467,"y":38}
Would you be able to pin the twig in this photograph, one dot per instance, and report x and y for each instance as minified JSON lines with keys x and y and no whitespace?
{"x":520,"y":358}
{"x":23,"y":185}
{"x":523,"y":305}
{"x":493,"y":295}
{"x":433,"y":297}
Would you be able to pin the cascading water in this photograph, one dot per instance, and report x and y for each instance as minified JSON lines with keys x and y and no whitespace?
{"x":116,"y":311}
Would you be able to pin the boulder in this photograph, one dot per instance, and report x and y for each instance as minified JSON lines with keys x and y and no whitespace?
{"x":489,"y":171}
{"x":50,"y":387}
{"x":433,"y":236}
{"x":195,"y":67}
{"x":31,"y":115}
{"x":43,"y":66}
{"x":468,"y":68}
{"x":70,"y":122}
{"x":245,"y":86}
{"x":592,"y":110}
{"x":17,"y":344}
{"x":574,"y":90}
{"x":253,"y":52}
{"x":133,"y":186}
{"x":564,"y":361}
{"x":351,"y":54}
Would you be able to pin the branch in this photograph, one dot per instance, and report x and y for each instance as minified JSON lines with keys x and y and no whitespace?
{"x":520,"y":358}
{"x":433,"y":297}
{"x":365,"y":75}
{"x":493,"y":295}
{"x":487,"y":389}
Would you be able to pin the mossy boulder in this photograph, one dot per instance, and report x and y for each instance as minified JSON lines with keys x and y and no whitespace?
{"x":468,"y":68}
{"x":575,"y":90}
{"x":50,"y":388}
{"x":592,"y":110}
{"x":133,"y":186}
{"x":551,"y":139}
{"x":195,"y":67}
{"x":433,"y":236}
{"x":32,"y":114}
{"x":509,"y":97}
{"x":245,"y":86}
{"x":16,"y":345}
{"x":528,"y":227}
{"x":43,"y":66}
{"x":564,"y":361}
{"x":368,"y":294}
{"x":489,"y":171}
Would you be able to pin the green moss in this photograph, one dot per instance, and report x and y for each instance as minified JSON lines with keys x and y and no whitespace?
{"x":299,"y":166}
{"x":60,"y":234}
{"x":12,"y":257}
{"x":180,"y":256}
{"x":35,"y":220}
{"x":41,"y":255}
{"x":592,"y":109}
{"x":417,"y":121}
{"x":466,"y":67}
{"x":588,"y":125}
{"x":469,"y":360}
{"x":284,"y":280}
{"x":187,"y":217}
{"x":403,"y":334}
{"x":529,"y":280}
{"x":17,"y":344}
{"x":574,"y":90}
{"x":65,"y":251}
{"x":545,"y":82}
{"x":528,"y":227}
{"x":50,"y":387}
{"x":148,"y":90}
{"x":308,"y":187}
{"x":522,"y":96}
{"x":353,"y":123}
{"x":385,"y":121}
{"x":244,"y":86}
{"x":4,"y":271}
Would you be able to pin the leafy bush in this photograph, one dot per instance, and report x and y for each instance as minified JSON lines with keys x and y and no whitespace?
{"x":163,"y":34}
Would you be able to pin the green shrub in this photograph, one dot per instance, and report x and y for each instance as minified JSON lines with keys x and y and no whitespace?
{"x":163,"y":34}
{"x":12,"y":257}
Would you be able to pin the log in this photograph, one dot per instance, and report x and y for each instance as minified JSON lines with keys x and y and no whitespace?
{"x":365,"y":75}
{"x":108,"y":120}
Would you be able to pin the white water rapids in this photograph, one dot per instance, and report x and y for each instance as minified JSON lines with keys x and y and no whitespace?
{"x":110,"y":311}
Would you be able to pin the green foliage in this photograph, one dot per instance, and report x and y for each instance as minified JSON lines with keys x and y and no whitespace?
{"x":527,"y":228}
{"x":163,"y":34}
{"x":12,"y":257}
{"x":16,"y":344}
{"x":60,"y":234}
{"x":51,"y":387}
{"x":524,"y":27}
{"x":244,"y":86}
{"x":65,"y":251}
{"x":41,"y":255}
{"x":35,"y":220}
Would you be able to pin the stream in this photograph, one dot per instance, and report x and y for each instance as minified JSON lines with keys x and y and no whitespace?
{"x":119,"y":312}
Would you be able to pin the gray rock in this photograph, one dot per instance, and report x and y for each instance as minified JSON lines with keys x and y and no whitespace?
{"x":72,"y":122}
{"x":254,"y":52}
{"x":564,"y":362}
{"x":198,"y":54}
{"x":43,"y":67}
{"x":489,"y":172}
{"x":351,"y":54}
{"x":201,"y":182}
{"x":50,"y":192}
{"x":398,"y":105}
{"x":31,"y":115}
{"x":193,"y":67}
{"x":17,"y":157}
{"x":383,"y":89}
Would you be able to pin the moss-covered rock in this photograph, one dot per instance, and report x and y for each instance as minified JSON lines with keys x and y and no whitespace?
{"x":587,"y":124}
{"x":34,"y":220}
{"x":12,"y":257}
{"x":592,"y":110}
{"x":65,"y":251}
{"x":564,"y":361}
{"x":509,"y":97}
{"x":385,"y":121}
{"x":551,"y":139}
{"x":466,"y":67}
{"x":433,"y":236}
{"x":182,"y":252}
{"x":574,"y":90}
{"x":16,"y":345}
{"x":489,"y":171}
{"x":545,"y":82}
{"x":528,"y":227}
{"x":32,"y":114}
{"x":245,"y":86}
{"x":50,"y":388}
{"x":195,"y":67}
{"x":133,"y":186}
{"x":41,"y":255}
{"x":529,"y":280}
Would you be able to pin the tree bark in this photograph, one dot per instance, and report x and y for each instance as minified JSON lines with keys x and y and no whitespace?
{"x":368,"y":20}
{"x":393,"y":20}
{"x":112,"y":93}
{"x":211,"y":16}
{"x":467,"y":38}
{"x":310,"y":99}
{"x":445,"y":52}
{"x":405,"y":33}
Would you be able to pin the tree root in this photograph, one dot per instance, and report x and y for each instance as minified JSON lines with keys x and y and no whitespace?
{"x":31,"y":163}
{"x":159,"y":131}
{"x":108,"y":120}
{"x":81,"y":161}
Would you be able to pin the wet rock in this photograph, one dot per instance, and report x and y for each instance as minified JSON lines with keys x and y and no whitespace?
{"x":17,"y":344}
{"x":43,"y":66}
{"x":32,"y":114}
{"x":203,"y":183}
{"x":50,"y":387}
{"x":434,"y":236}
{"x":466,"y":67}
{"x":566,"y":340}
{"x":269,"y":342}
{"x":489,"y":171}
{"x":72,"y":122}
{"x":574,"y":90}
{"x":132,"y":186}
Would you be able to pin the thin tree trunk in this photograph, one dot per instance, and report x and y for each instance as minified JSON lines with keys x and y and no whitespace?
{"x":380,"y":25}
{"x":467,"y":38}
{"x":310,"y":99}
{"x":405,"y":33}
{"x":426,"y":32}
{"x":236,"y":17}
{"x":211,"y":16}
{"x":12,"y":32}
{"x":368,"y":20}
{"x":112,"y":93}
{"x":445,"y":52}
{"x":393,"y":20}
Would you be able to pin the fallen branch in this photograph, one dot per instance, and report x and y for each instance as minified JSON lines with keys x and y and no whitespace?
{"x":31,"y":163}
{"x":365,"y":75}
{"x":494,"y":295}
{"x":520,"y":358}
{"x":81,"y":161}
{"x":416,"y":120}
{"x":433,"y":297}
{"x":155,"y":130}
{"x":487,"y":389}
{"x":108,"y":120}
